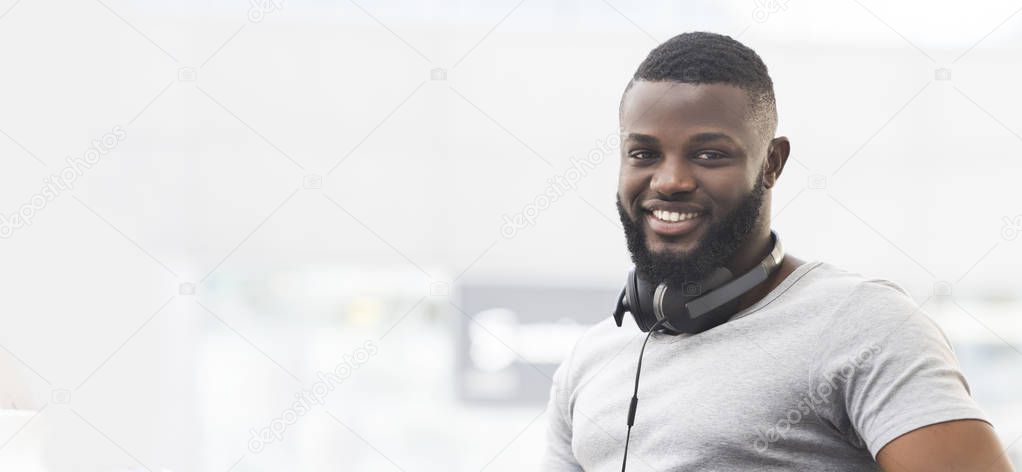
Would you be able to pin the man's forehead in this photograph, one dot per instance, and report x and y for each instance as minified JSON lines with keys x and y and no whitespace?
{"x":665,"y":103}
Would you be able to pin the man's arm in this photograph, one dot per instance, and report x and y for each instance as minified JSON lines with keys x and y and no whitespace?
{"x":962,"y":445}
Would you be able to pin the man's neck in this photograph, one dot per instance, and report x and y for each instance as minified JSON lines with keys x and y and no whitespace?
{"x":786,"y":267}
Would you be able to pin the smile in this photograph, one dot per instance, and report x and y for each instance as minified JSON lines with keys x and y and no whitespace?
{"x":672,"y":223}
{"x":672,"y":216}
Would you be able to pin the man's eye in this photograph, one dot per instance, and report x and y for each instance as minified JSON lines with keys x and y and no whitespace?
{"x":709,"y":155}
{"x":642,"y":155}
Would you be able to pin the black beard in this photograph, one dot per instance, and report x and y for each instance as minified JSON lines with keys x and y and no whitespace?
{"x":715,"y":249}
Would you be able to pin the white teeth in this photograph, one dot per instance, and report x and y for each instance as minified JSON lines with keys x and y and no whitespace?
{"x":673,"y":216}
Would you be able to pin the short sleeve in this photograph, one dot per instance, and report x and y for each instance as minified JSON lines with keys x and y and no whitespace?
{"x":888,"y":369}
{"x":558,"y":456}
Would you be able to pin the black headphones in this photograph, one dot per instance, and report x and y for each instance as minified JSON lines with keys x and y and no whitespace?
{"x":696,"y":306}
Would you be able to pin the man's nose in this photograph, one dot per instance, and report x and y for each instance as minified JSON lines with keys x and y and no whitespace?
{"x":673,"y":175}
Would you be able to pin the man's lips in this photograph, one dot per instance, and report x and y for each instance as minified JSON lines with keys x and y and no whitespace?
{"x":673,"y":223}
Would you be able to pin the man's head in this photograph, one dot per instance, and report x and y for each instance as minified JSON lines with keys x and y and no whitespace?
{"x":698,"y":156}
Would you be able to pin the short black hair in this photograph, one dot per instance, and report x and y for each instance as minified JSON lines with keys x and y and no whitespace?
{"x":710,"y":58}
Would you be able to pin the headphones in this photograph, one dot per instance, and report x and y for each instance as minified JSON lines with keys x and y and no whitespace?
{"x":696,"y":306}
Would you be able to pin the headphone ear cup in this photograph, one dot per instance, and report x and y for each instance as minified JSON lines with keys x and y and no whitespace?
{"x":640,"y":301}
{"x":631,"y":296}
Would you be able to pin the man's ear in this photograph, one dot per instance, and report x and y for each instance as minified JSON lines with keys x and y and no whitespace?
{"x":777,"y":156}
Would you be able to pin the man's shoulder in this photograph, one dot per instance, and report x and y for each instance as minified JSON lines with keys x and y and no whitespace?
{"x":867,"y":296}
{"x":836,"y":306}
{"x":873,"y":311}
{"x":831,"y":277}
{"x":849,"y":290}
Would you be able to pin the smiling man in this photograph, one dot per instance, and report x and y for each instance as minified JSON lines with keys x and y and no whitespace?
{"x":811,"y":368}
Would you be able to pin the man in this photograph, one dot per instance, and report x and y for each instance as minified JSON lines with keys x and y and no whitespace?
{"x":818,"y":369}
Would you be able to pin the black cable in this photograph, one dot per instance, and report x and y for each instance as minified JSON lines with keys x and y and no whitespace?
{"x":635,"y":394}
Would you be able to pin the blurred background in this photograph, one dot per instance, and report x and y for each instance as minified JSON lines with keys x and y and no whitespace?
{"x":304,"y":235}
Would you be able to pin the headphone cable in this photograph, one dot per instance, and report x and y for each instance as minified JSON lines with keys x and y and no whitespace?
{"x":635,"y":393}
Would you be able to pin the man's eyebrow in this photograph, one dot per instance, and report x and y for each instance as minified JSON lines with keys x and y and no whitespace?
{"x":703,"y":138}
{"x":642,"y":138}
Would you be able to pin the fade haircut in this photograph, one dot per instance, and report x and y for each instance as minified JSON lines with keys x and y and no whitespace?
{"x":710,"y":58}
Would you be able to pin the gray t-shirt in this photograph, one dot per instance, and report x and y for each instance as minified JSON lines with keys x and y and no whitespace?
{"x":818,"y":375}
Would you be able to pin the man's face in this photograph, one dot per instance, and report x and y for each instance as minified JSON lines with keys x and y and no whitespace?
{"x":690,"y":188}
